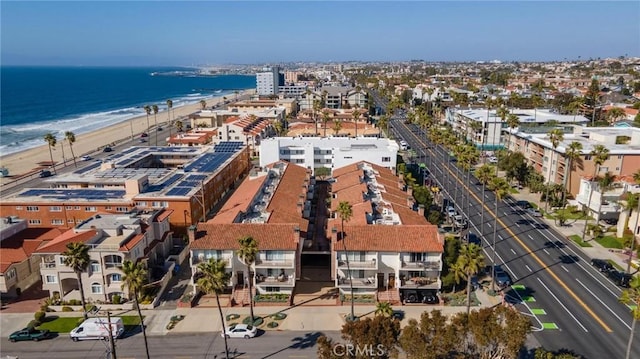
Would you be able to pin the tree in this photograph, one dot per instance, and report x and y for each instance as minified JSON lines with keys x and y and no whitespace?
{"x":179,"y":125}
{"x":155,"y":119}
{"x":134,"y":279}
{"x":169,"y":106}
{"x":470,"y":262}
{"x":76,"y":257}
{"x":345,"y":212}
{"x":573,"y":154}
{"x":555,"y":137}
{"x":384,"y":309}
{"x":631,"y":296}
{"x":356,"y":117}
{"x":615,"y":114}
{"x":632,"y":202}
{"x":325,"y":120}
{"x":430,"y":338}
{"x":378,"y":334}
{"x":500,"y":188}
{"x":337,"y":126}
{"x":147,"y":109}
{"x":203,"y":104}
{"x":51,"y":140}
{"x":248,"y":253}
{"x":600,"y":155}
{"x":71,"y":138}
{"x":317,"y":107}
{"x":513,"y":121}
{"x":214,"y":279}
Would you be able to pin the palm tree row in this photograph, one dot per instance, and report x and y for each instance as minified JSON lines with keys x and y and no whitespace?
{"x":52,"y":141}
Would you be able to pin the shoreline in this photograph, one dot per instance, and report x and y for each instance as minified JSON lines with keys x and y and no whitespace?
{"x":25,"y":162}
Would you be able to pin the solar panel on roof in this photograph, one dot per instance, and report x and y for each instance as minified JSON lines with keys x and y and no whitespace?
{"x":88,"y":168}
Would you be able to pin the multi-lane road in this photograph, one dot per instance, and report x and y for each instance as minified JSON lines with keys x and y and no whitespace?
{"x":572,"y":305}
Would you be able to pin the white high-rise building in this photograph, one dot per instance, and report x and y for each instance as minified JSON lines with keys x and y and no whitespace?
{"x":268,"y":81}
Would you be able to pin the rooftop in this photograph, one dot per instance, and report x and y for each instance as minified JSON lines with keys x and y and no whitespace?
{"x":524,"y":116}
{"x":225,"y":236}
{"x":589,"y":137}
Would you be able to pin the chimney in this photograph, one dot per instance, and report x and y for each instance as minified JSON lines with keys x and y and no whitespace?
{"x":410,"y":191}
{"x":296,"y":234}
{"x":421,"y":210}
{"x":410,"y":202}
{"x":191,"y":232}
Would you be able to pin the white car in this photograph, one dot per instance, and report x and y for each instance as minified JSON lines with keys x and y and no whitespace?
{"x":451,"y":211}
{"x":240,"y":331}
{"x":493,"y":159}
{"x":86,"y":158}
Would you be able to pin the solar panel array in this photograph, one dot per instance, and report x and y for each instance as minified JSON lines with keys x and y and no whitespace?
{"x":209,"y":162}
{"x":179,"y":191}
{"x":88,"y":168}
{"x":231,"y":146}
{"x":164,"y":184}
{"x":67,"y":194}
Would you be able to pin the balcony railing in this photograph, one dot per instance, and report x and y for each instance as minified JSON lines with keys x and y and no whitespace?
{"x":110,"y":265}
{"x":274,"y":281}
{"x":48,"y":265}
{"x":426,"y":265}
{"x":358,"y":282}
{"x":197,"y":259}
{"x":421,"y":282}
{"x":278,"y":263}
{"x":372,"y":264}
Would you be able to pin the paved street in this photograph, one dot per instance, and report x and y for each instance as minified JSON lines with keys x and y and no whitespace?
{"x":572,"y":305}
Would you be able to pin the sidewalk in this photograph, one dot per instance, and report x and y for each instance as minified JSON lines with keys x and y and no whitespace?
{"x":575,"y":228}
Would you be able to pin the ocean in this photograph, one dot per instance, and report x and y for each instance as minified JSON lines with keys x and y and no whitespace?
{"x":38,"y":100}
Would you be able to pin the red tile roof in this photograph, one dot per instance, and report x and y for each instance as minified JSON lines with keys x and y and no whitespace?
{"x":284,"y":203}
{"x":164,"y":215}
{"x":59,"y":244}
{"x":239,"y":201}
{"x":383,"y":238}
{"x":225,"y":236}
{"x":132,"y":242}
{"x":20,"y":246}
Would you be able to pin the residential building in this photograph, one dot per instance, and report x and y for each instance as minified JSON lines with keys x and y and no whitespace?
{"x":246,"y":129}
{"x":195,"y":137}
{"x":292,"y":91}
{"x":19,"y":269}
{"x":112,"y":239}
{"x":330,"y":152}
{"x":188,"y":180}
{"x":268,"y":81}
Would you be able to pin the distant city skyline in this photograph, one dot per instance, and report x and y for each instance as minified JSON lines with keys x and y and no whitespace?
{"x":157,"y":33}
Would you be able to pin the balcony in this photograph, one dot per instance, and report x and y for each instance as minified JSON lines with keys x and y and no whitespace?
{"x":199,"y":259}
{"x":421,"y":283}
{"x":48,"y":265}
{"x":370,"y":282}
{"x":285,"y":281}
{"x":112,"y":265}
{"x":275,"y":263}
{"x":372,"y":264}
{"x":423,"y":265}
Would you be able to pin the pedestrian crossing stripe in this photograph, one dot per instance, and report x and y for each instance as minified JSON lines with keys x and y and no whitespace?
{"x":518,"y":287}
{"x":537,"y":311}
{"x":528,"y":298}
{"x":549,"y":326}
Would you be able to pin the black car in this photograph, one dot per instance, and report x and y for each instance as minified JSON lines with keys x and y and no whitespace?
{"x":523,"y":204}
{"x":474,"y":239}
{"x":620,"y":278}
{"x":430,"y":297}
{"x":502,"y":278}
{"x":411,"y":296}
{"x":107,"y":149}
{"x":602,"y":264}
{"x":45,"y":173}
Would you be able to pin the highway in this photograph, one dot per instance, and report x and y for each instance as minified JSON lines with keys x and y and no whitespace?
{"x":571,"y":304}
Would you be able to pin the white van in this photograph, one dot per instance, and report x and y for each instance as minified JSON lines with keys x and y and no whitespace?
{"x":404,"y":145}
{"x":97,"y":328}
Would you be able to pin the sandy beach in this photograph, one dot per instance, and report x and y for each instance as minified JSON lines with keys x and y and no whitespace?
{"x":21,"y":163}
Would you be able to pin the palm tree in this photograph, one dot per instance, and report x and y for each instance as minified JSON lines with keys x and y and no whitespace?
{"x":147,"y":109}
{"x":77,"y":258}
{"x":325,"y":120}
{"x":555,"y":137}
{"x":179,"y":125}
{"x":470,"y":261}
{"x":572,"y":154}
{"x":503,"y":113}
{"x":50,"y":138}
{"x":169,"y":106}
{"x":631,"y":297}
{"x":384,"y":309}
{"x":203,"y":104}
{"x":214,"y":279}
{"x":317,"y":106}
{"x":632,"y":202}
{"x":600,"y":155}
{"x":615,"y":114}
{"x":337,"y":126}
{"x":345,"y":212}
{"x":513,"y":121}
{"x":500,"y":189}
{"x":71,"y":138}
{"x":248,"y":253}
{"x":484,"y":174}
{"x":356,"y":117}
{"x":155,"y":119}
{"x":135,"y":278}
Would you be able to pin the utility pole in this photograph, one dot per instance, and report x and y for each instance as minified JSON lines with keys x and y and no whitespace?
{"x":112,"y":343}
{"x":201,"y":201}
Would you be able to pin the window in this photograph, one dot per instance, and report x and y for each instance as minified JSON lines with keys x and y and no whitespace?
{"x":122,"y":209}
{"x":19,"y":208}
{"x":61,"y":260}
{"x":77,"y":208}
{"x":357,"y":274}
{"x":51,"y":279}
{"x":108,"y":208}
{"x":619,"y":157}
{"x":604,"y":169}
{"x":55,"y":209}
{"x":386,"y":159}
{"x":95,"y":266}
{"x":70,"y":220}
{"x":69,"y":207}
{"x":57,"y":222}
{"x":417,"y":257}
{"x":34,"y":221}
{"x":90,"y":209}
{"x":273,"y":289}
{"x":116,"y":277}
{"x":274,"y":255}
{"x":11,"y":273}
{"x":33,"y":208}
{"x":587,"y":158}
{"x":96,"y":288}
{"x":355,"y":256}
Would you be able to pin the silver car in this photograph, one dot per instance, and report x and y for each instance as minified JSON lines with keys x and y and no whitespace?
{"x":240,"y":331}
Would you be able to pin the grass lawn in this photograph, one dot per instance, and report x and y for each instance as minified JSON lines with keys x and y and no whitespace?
{"x":513,"y":190}
{"x":66,"y":324}
{"x":576,"y":238}
{"x":610,"y":242}
{"x":571,"y":215}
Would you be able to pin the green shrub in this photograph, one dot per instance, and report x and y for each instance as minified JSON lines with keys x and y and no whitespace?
{"x":272,"y":325}
{"x":39,"y":316}
{"x":279,"y":316}
{"x":33,"y":324}
{"x":271,"y":297}
{"x":115,"y":299}
{"x":257,"y":321}
{"x":67,"y":309}
{"x":89,"y":307}
{"x":233,"y":316}
{"x":75,"y":302}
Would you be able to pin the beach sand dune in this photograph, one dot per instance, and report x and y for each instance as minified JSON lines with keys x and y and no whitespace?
{"x":25,"y":162}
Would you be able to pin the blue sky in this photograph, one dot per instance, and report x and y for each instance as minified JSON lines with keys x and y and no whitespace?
{"x":214,"y":32}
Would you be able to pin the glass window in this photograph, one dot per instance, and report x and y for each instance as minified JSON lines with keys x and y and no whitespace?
{"x":96,"y":288}
{"x":274,"y":255}
{"x":116,"y":277}
{"x":51,"y":279}
{"x":95,"y":266}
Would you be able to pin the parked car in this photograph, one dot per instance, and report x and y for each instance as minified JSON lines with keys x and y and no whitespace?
{"x":430,"y":297}
{"x":450,"y":211}
{"x":86,"y":158}
{"x":410,"y":296}
{"x":459,"y":221}
{"x":502,"y":278}
{"x":534,"y":212}
{"x":45,"y":173}
{"x":493,"y":159}
{"x":473,"y":238}
{"x":159,"y":129}
{"x":620,"y":278}
{"x":602,"y":264}
{"x":29,"y":334}
{"x":144,"y":134}
{"x":107,"y":149}
{"x":523,"y":204}
{"x":143,"y":140}
{"x":240,"y":331}
{"x":611,"y":221}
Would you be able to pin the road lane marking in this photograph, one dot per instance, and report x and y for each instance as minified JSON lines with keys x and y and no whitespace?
{"x":530,"y":236}
{"x":536,"y":258}
{"x":505,"y":213}
{"x":604,"y":305}
{"x":565,"y":269}
{"x":517,"y":225}
{"x":499,"y":236}
{"x":563,"y":306}
{"x":546,"y":251}
{"x":512,"y":251}
{"x":526,"y":266}
{"x":489,"y":224}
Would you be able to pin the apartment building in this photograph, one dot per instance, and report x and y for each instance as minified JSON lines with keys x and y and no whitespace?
{"x":267,"y":81}
{"x":112,"y":239}
{"x":329,"y":152}
{"x":195,"y":137}
{"x":19,"y":269}
{"x":392,"y":250}
{"x":187,"y":180}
